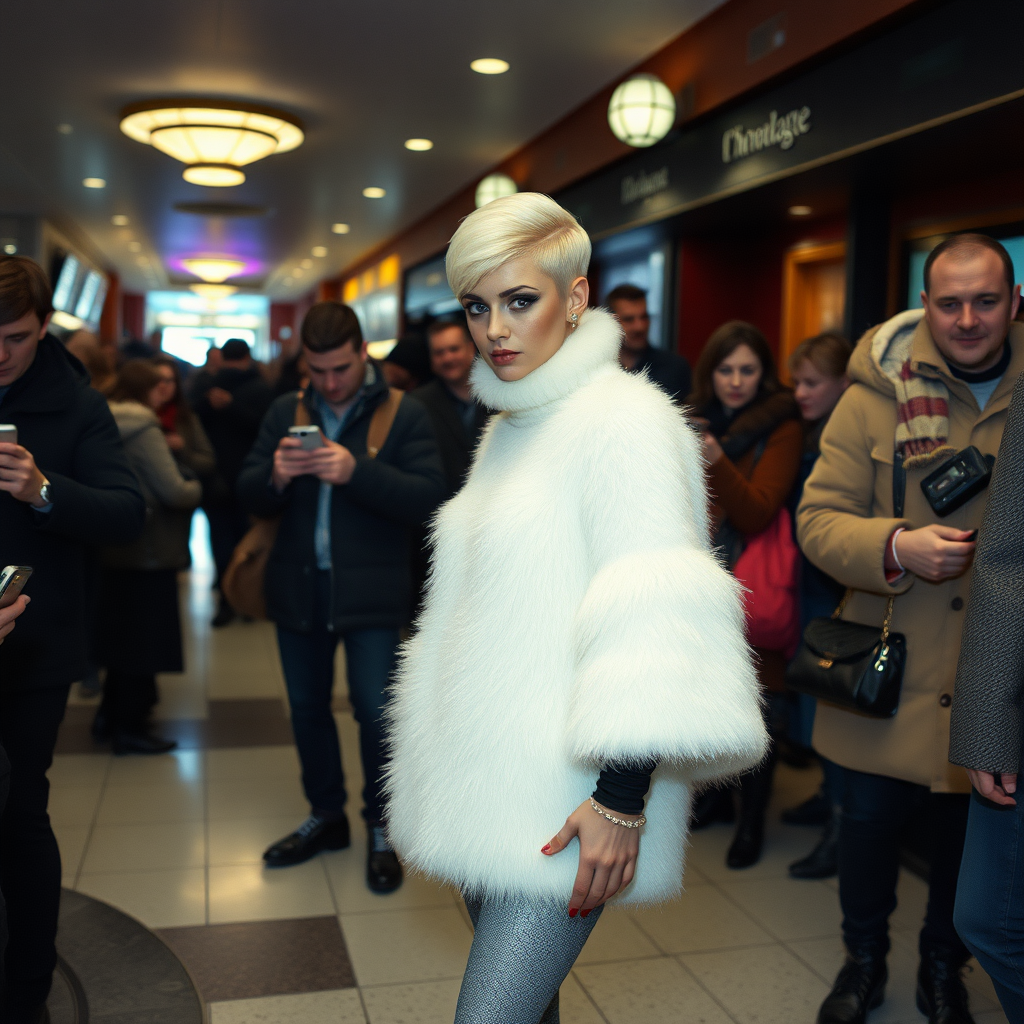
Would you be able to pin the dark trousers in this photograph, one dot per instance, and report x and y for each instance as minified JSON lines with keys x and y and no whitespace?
{"x":990,"y":898}
{"x":308,"y":663}
{"x":876,"y":809}
{"x":128,"y":699}
{"x":229,"y":523}
{"x":29,"y":858}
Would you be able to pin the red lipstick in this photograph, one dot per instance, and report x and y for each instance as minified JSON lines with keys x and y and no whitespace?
{"x":503,"y":356}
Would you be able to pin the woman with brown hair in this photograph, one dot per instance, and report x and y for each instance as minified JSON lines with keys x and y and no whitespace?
{"x":139,"y":623}
{"x":183,"y":431}
{"x":752,"y":443}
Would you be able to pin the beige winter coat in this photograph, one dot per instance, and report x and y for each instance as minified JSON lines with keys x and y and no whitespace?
{"x":845,"y":520}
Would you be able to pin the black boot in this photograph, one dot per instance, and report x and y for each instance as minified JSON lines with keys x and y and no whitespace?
{"x":941,"y":993}
{"x":141,"y":742}
{"x":814,"y":811}
{"x":383,"y":870}
{"x":712,"y":805}
{"x":859,"y":988}
{"x":823,"y":860}
{"x":310,"y":838}
{"x":755,"y":788}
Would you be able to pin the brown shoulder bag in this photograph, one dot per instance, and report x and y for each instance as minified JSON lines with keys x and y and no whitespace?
{"x":242,"y":583}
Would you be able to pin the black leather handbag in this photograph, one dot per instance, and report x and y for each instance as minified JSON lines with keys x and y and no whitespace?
{"x":858,"y":667}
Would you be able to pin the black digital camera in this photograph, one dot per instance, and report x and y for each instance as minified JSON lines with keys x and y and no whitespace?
{"x":957,"y":480}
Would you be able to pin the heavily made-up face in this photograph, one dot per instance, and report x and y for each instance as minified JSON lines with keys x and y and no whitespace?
{"x":518,"y":319}
{"x":737,"y":377}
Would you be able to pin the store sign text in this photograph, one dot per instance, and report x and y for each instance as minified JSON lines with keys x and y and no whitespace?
{"x":740,"y":142}
{"x":641,"y":185}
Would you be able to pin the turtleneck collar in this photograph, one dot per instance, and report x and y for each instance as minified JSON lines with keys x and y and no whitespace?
{"x":591,"y":347}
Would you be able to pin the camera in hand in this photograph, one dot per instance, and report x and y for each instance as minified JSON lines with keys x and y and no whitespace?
{"x":957,"y":480}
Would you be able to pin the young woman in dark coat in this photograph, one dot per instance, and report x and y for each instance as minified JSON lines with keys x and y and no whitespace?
{"x":752,"y":442}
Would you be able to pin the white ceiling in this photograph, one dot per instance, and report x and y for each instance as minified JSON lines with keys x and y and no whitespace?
{"x":362,"y":77}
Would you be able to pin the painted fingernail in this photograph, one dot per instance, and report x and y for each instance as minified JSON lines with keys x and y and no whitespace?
{"x":572,"y":911}
{"x":544,"y":849}
{"x":583,"y":913}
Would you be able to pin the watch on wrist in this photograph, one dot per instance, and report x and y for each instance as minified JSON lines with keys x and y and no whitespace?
{"x":45,"y":495}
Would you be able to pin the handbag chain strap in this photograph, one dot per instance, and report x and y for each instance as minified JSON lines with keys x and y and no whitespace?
{"x":899,"y":492}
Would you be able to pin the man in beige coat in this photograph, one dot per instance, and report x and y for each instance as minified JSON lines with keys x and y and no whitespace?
{"x":924,"y":385}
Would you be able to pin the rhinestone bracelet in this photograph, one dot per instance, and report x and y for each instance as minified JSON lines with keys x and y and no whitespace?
{"x":642,"y":820}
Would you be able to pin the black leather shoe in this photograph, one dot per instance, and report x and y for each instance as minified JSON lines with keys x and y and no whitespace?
{"x":941,"y":993}
{"x":310,"y":838}
{"x":711,"y":806}
{"x":823,"y":860}
{"x":383,"y":870}
{"x":858,"y":989}
{"x":745,"y":850}
{"x":141,"y":743}
{"x":815,"y":811}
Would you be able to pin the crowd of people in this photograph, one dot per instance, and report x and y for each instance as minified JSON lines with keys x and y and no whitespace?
{"x":614,"y":525}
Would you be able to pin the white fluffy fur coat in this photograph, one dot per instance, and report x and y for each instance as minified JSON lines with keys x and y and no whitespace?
{"x":575,"y":615}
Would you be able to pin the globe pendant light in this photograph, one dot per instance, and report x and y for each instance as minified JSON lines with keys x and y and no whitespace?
{"x":642,"y":110}
{"x":214,"y":138}
{"x":494,"y":186}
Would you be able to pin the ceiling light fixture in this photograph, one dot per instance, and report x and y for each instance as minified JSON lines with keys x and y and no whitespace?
{"x":65,"y":129}
{"x":213,"y":292}
{"x":119,"y":220}
{"x":494,"y":186}
{"x":374,"y":192}
{"x":135,"y":247}
{"x":642,"y":110}
{"x":800,"y":211}
{"x":319,"y":251}
{"x":341,"y":229}
{"x":213,"y":269}
{"x":419,"y":145}
{"x":94,"y":183}
{"x":214,"y":138}
{"x":306,"y":264}
{"x":489,"y":66}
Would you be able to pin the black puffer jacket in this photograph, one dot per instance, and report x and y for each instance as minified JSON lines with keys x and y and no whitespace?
{"x":371,"y":516}
{"x":96,"y":500}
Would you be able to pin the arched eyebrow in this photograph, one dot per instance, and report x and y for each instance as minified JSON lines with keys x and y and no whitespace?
{"x":518,"y":288}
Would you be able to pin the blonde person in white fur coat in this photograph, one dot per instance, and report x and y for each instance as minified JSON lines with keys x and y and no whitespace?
{"x":577,"y":631}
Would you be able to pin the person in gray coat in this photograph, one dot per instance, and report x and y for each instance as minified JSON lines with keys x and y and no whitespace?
{"x":139,"y":624}
{"x":986,"y":729}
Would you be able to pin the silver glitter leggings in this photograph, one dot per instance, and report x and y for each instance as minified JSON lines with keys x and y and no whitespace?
{"x":523,"y":949}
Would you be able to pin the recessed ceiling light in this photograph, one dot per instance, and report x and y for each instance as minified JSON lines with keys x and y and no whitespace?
{"x":94,"y":183}
{"x":489,"y":66}
{"x":340,"y":229}
{"x":374,"y":192}
{"x":800,"y":211}
{"x":65,"y":129}
{"x":298,"y":272}
{"x":319,"y":251}
{"x":135,"y":247}
{"x":306,"y":264}
{"x":10,"y":248}
{"x":419,"y":145}
{"x":119,"y":220}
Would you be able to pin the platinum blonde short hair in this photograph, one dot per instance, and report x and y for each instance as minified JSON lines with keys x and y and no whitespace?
{"x":527,"y":224}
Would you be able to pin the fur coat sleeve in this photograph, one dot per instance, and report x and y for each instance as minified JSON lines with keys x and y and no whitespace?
{"x":662,"y":667}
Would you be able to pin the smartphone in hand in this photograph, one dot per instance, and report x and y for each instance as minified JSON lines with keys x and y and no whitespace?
{"x":8,"y":433}
{"x":309,"y":437}
{"x":12,"y":582}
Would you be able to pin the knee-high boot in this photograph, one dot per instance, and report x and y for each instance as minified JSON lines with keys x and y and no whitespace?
{"x":755,"y":789}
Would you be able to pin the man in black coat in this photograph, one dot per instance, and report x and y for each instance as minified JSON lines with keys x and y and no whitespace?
{"x":457,"y":418}
{"x":339,"y":569}
{"x":231,"y":405}
{"x":64,"y":487}
{"x":671,"y":372}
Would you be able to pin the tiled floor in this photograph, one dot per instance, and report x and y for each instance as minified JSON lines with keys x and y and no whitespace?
{"x":176,"y":842}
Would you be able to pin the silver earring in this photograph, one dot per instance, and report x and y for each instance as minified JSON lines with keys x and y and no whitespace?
{"x":575,"y":320}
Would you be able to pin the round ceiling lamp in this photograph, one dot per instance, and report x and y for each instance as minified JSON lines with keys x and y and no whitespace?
{"x":494,"y":186}
{"x":642,"y":110}
{"x":213,"y":292}
{"x":213,"y":269}
{"x":214,"y":138}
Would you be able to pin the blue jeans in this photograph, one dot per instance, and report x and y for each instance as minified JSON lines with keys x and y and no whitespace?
{"x":876,"y":809}
{"x":523,"y":949}
{"x":308,"y":663}
{"x":990,"y":898}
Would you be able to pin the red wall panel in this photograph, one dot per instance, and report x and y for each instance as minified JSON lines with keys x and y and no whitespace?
{"x":133,"y":314}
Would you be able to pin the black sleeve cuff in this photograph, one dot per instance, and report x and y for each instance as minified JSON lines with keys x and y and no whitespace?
{"x":622,"y":789}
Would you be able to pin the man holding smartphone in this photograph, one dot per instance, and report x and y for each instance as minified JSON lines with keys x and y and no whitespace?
{"x":65,"y":486}
{"x":340,"y":567}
